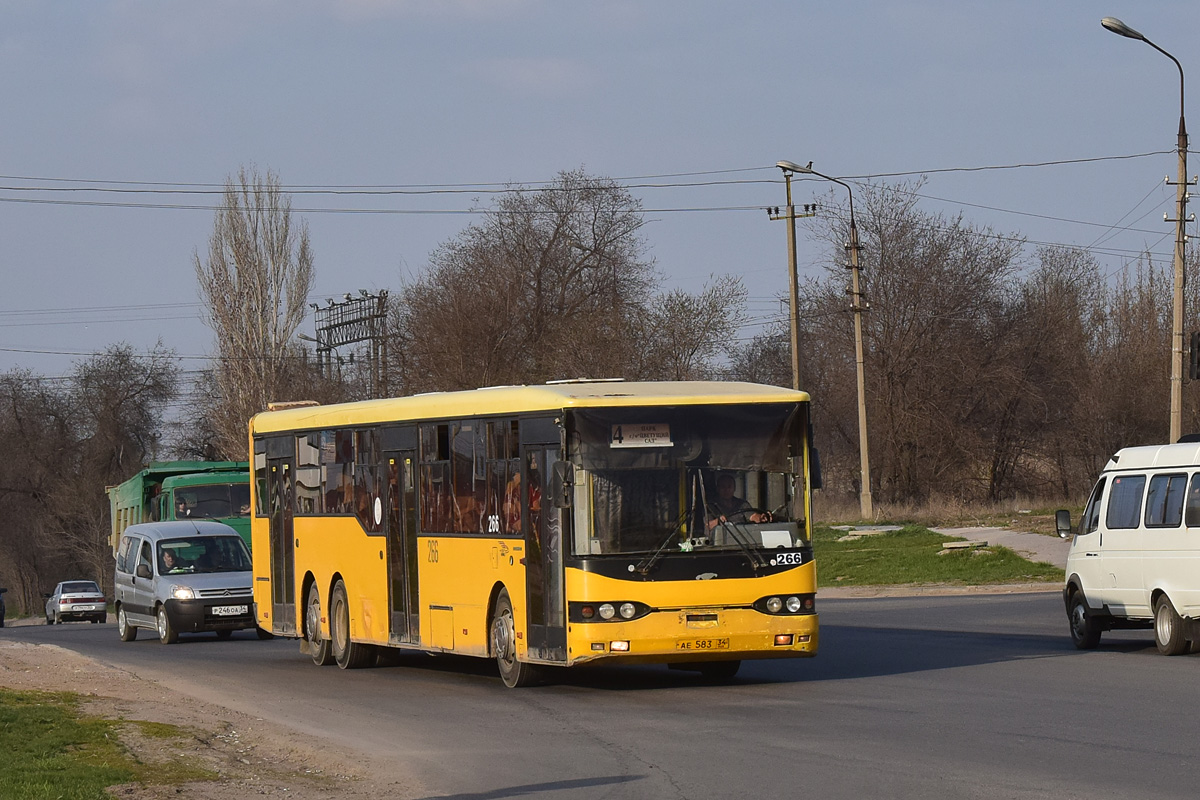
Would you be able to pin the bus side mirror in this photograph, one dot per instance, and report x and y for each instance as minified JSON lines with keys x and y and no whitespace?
{"x":562,"y":482}
{"x":1062,"y":523}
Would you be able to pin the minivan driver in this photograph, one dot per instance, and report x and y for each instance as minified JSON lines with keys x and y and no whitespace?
{"x":171,"y":562}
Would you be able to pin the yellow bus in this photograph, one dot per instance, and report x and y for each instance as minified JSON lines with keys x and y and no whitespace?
{"x":579,"y":522}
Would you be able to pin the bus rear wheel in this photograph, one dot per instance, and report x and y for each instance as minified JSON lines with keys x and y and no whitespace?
{"x":347,"y":654}
{"x":514,"y":672}
{"x":320,"y":649}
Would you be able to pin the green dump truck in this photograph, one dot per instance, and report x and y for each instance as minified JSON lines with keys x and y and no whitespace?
{"x":167,"y":490}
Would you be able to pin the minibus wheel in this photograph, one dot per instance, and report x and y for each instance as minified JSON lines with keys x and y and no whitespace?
{"x":1085,"y":634}
{"x":1168,"y":628}
{"x":320,"y":649}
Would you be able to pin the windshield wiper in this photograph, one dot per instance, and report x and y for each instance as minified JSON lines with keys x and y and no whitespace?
{"x":646,"y":564}
{"x":756,"y":559}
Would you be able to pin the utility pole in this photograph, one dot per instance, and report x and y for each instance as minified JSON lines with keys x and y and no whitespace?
{"x":858,"y":306}
{"x":793,"y":277}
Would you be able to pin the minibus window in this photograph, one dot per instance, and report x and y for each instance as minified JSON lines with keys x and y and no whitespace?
{"x":1091,"y":515}
{"x":1164,"y":503}
{"x":1191,"y":516}
{"x":1125,"y":501}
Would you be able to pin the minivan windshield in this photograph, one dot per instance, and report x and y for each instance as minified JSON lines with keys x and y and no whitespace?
{"x":196,"y":554}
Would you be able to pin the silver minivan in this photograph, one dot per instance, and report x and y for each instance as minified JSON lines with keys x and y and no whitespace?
{"x":185,"y":576}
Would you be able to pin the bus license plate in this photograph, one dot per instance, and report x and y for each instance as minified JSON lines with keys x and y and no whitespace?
{"x":702,"y":644}
{"x":229,"y":611}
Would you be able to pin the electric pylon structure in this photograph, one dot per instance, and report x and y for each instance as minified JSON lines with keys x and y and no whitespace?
{"x":351,"y":321}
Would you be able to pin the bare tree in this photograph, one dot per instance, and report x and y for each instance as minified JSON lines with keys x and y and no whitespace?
{"x":61,"y":444}
{"x":547,"y":286}
{"x":684,"y":336}
{"x":255,"y":282}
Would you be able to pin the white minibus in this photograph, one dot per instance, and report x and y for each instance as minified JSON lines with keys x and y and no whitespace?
{"x":1135,"y":554}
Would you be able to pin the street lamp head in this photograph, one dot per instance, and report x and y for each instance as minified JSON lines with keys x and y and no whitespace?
{"x":788,"y":166}
{"x":1121,"y":29}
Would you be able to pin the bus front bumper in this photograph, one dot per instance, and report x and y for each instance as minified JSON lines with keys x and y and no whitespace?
{"x":679,"y":637}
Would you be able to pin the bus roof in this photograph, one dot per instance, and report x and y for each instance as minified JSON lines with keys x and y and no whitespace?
{"x":521,"y":399}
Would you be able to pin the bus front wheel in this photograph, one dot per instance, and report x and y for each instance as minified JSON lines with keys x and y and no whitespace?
{"x":347,"y":654}
{"x":514,"y":672}
{"x":319,"y":648}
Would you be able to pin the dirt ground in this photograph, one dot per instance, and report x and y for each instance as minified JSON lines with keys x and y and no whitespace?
{"x":253,"y":758}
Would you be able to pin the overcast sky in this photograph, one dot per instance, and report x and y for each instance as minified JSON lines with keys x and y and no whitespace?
{"x":367,"y":93}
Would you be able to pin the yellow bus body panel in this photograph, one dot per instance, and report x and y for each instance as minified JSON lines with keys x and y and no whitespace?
{"x":667,"y":635}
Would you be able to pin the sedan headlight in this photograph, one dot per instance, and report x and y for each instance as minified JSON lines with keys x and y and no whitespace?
{"x":183,"y":593}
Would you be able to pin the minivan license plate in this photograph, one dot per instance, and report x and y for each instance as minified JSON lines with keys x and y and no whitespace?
{"x":229,"y":611}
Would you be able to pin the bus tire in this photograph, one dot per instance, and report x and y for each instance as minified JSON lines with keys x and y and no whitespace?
{"x":347,"y":654}
{"x":719,"y":671}
{"x":1168,"y":628}
{"x":126,"y":631}
{"x":166,"y":632}
{"x":320,"y":649}
{"x":514,"y":672}
{"x":1085,"y":633}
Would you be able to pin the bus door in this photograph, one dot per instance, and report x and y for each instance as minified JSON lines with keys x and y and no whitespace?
{"x":399,"y":462}
{"x":543,"y":529}
{"x":280,"y":509}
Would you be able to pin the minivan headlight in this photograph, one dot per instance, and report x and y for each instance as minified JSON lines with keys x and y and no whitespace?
{"x":183,"y":593}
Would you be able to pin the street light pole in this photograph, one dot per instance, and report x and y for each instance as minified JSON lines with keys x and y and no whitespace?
{"x":858,"y":307}
{"x":1181,"y":197}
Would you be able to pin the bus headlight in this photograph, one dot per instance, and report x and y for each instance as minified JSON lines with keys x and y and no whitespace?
{"x":628,"y":610}
{"x":793,"y":604}
{"x":607,"y":611}
{"x":182,"y":593}
{"x":610,"y":611}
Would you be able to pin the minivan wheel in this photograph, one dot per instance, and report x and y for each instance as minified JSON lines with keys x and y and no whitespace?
{"x":126,"y":631}
{"x":166,"y":633}
{"x":1168,"y":629}
{"x":1085,"y":634}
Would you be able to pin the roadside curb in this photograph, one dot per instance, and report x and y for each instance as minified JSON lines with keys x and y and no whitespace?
{"x":933,"y":590}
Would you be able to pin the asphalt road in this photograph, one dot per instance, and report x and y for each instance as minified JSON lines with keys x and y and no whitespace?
{"x":920,"y":697}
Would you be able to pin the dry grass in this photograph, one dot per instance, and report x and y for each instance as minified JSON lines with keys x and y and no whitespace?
{"x":1023,"y":514}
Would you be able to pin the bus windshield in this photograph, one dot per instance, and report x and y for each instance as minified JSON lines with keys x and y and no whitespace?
{"x":688,"y":478}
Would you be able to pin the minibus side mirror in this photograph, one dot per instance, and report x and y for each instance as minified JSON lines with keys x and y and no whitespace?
{"x":562,"y":482}
{"x":1062,"y":523}
{"x":143,"y":572}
